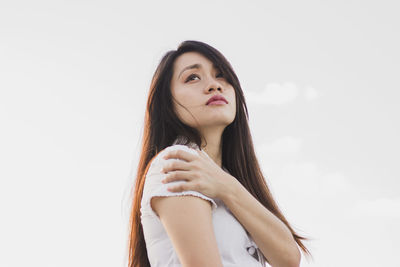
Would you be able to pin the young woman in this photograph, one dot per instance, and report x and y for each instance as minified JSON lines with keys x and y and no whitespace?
{"x":197,"y":146}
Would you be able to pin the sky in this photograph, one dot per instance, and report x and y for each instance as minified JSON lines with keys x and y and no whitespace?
{"x":321,"y":81}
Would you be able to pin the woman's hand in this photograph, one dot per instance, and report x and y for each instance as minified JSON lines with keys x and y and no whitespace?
{"x":201,"y":172}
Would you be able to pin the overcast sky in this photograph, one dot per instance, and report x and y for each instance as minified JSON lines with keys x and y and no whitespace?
{"x":321,"y":80}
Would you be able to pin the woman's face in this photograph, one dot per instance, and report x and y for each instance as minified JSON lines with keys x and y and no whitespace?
{"x":192,"y":86}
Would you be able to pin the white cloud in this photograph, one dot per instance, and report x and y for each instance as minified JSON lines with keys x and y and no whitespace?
{"x":301,"y":176}
{"x":310,"y":93}
{"x":280,"y":94}
{"x":284,"y":146}
{"x":306,"y":178}
{"x":337,"y":184}
{"x":381,"y":207}
{"x":274,"y":94}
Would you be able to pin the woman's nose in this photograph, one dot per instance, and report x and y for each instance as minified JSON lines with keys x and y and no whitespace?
{"x":214,"y":85}
{"x":212,"y":88}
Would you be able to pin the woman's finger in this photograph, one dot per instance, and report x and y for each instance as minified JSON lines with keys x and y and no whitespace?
{"x":179,"y":154}
{"x":182,"y":187}
{"x":204,"y":154}
{"x":173,"y":164}
{"x":177,"y":176}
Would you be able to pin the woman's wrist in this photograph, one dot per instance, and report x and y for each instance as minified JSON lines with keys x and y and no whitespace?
{"x":230,"y":188}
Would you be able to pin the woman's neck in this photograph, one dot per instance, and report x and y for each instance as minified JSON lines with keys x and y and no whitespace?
{"x":213,"y":146}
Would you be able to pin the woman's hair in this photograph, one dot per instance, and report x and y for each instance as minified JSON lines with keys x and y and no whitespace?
{"x":162,"y":127}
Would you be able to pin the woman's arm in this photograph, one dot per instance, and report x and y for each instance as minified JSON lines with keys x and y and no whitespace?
{"x":269,"y":233}
{"x":188,"y":222}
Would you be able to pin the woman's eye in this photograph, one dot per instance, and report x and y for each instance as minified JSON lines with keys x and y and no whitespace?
{"x":190,"y":77}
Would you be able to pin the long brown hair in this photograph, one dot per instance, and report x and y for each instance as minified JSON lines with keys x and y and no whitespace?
{"x":162,"y":127}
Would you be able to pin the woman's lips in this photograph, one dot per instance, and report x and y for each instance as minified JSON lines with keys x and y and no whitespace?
{"x":216,"y":98}
{"x":217,"y":102}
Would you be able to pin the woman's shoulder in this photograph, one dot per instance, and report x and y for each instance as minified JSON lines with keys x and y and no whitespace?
{"x":158,"y":159}
{"x":189,"y":148}
{"x":180,"y":143}
{"x":153,"y":185}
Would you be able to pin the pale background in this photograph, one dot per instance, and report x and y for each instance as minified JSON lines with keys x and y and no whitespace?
{"x":322,"y":84}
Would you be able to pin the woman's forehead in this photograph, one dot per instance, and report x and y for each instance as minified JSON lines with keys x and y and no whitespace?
{"x":190,"y":58}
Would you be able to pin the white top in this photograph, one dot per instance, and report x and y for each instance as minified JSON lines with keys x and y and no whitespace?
{"x":235,"y":245}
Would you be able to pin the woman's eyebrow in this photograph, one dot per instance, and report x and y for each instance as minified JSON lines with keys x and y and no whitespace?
{"x":194,"y":66}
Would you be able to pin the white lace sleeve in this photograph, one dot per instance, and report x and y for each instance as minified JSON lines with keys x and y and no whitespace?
{"x":154,"y":187}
